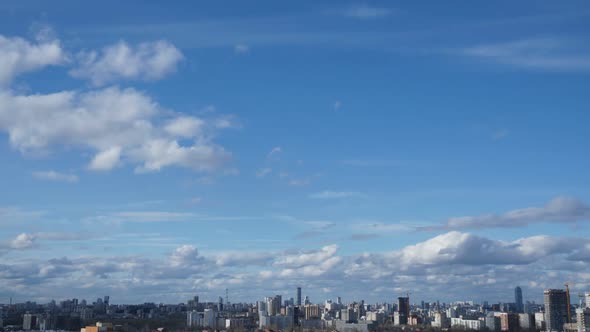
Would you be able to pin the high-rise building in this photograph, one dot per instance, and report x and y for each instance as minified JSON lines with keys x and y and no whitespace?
{"x":555,"y":309}
{"x":403,"y":309}
{"x":298,"y":296}
{"x":583,"y":319}
{"x":518,"y":299}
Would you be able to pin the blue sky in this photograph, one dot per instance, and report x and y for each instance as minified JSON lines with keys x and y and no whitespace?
{"x":156,"y":152}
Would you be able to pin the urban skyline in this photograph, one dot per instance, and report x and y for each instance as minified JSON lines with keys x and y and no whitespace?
{"x":555,"y":313}
{"x":360,"y":149}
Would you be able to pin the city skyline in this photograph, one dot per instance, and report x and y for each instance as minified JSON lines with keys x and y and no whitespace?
{"x":355,"y":149}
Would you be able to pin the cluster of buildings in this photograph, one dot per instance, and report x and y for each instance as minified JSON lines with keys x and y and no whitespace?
{"x":276,"y":313}
{"x":555,"y":314}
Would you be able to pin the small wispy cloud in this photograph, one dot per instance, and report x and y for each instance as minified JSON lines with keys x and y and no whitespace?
{"x":557,"y":210}
{"x":55,"y":176}
{"x":365,"y":12}
{"x":263,"y":172}
{"x":241,"y":48}
{"x":299,"y":182}
{"x":558,"y":54}
{"x":330,"y":194}
{"x":337,"y":104}
{"x":152,"y":216}
{"x":500,"y":134}
{"x":372,"y":163}
{"x":381,"y":228}
{"x":274,"y":152}
{"x":363,"y":236}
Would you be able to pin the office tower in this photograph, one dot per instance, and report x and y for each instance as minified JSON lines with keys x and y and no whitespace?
{"x":587,"y":298}
{"x":555,"y":309}
{"x":278,"y":302}
{"x":583,"y":319}
{"x":403,"y":309}
{"x":298,"y":295}
{"x":518,"y":299}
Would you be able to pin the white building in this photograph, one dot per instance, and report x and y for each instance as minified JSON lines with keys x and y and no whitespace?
{"x":474,"y":324}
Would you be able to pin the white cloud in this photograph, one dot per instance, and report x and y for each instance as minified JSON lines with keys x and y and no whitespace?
{"x":146,"y":61}
{"x":23,"y":241}
{"x":185,"y":126}
{"x":307,"y":258}
{"x":184,"y":255}
{"x":539,"y":53}
{"x":451,"y":264}
{"x":106,"y":160}
{"x":152,"y":216}
{"x":20,"y":56}
{"x":119,"y":125}
{"x":55,"y":176}
{"x":274,"y":151}
{"x":241,"y":48}
{"x":329,"y":194}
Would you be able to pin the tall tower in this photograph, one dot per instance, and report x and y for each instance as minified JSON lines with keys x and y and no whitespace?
{"x":298,"y":296}
{"x":403,"y":309}
{"x":518,"y":299}
{"x":555,"y":309}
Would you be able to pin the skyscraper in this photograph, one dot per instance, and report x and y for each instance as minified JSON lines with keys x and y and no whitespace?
{"x":555,"y":309}
{"x":518,"y":299}
{"x":403,"y":309}
{"x":298,"y":296}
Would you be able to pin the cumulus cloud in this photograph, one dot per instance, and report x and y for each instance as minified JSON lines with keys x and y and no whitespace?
{"x":307,"y":258}
{"x":23,"y":241}
{"x":55,"y":176}
{"x":147,"y":61}
{"x":453,"y":263}
{"x":118,"y":125}
{"x":20,"y":56}
{"x":559,"y":210}
{"x":106,"y":160}
{"x":464,"y":248}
